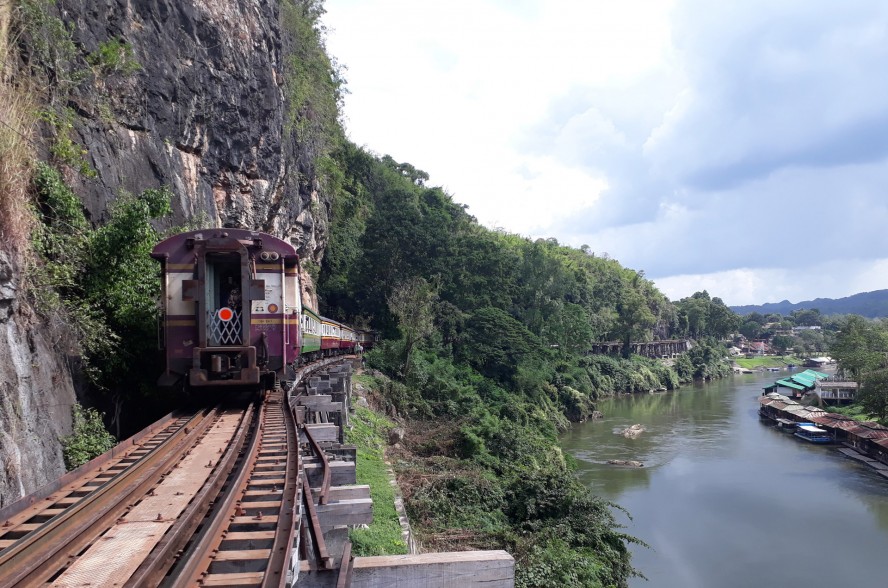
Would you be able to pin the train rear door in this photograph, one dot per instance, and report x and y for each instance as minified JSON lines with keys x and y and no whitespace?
{"x":224,"y":299}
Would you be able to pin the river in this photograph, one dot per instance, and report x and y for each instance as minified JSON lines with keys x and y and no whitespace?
{"x":726,"y":501}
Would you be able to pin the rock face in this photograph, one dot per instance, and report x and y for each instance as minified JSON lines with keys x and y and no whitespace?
{"x":206,"y":115}
{"x":36,"y":395}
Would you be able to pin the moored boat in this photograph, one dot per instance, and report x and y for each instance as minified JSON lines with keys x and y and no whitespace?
{"x":786,"y":424}
{"x":812,"y":434}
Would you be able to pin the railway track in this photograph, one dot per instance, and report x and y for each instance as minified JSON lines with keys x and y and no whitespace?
{"x":214,"y":498}
{"x":249,"y":541}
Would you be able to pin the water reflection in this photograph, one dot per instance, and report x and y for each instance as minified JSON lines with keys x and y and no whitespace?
{"x":727,"y":501}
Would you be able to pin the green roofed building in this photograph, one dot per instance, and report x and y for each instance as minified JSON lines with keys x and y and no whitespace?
{"x":797,"y":385}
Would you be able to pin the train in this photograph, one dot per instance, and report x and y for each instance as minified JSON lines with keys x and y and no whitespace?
{"x":232,"y":314}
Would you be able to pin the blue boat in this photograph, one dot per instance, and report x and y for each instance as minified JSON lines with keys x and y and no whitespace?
{"x":812,"y":434}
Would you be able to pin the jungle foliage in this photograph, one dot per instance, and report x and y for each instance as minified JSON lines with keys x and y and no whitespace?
{"x":489,"y":333}
{"x":99,"y":284}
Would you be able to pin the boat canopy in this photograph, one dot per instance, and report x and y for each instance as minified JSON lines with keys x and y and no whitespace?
{"x":813,"y":429}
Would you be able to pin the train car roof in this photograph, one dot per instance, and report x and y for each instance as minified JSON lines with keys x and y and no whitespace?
{"x":307,"y":310}
{"x":179,"y":242}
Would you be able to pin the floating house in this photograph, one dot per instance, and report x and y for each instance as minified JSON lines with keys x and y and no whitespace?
{"x":867,"y":437}
{"x":797,"y":385}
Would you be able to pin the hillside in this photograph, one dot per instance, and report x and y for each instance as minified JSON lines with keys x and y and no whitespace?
{"x":869,"y":304}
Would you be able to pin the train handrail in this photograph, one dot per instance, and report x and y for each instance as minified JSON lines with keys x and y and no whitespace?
{"x":47,"y":489}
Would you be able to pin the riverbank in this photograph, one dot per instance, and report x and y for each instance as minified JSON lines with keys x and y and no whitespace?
{"x":767,"y":361}
{"x":881,"y":468}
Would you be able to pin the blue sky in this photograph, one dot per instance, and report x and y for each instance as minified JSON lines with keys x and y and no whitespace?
{"x":740,"y":147}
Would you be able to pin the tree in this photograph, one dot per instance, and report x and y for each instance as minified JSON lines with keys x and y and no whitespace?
{"x":873,"y":395}
{"x":782,"y":342}
{"x":859,"y":348}
{"x":411,"y":303}
{"x":751,"y":329}
{"x":635,"y":315}
{"x":806,"y":317}
{"x":722,"y":320}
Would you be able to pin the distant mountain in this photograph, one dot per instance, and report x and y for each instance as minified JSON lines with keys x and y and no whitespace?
{"x":870,"y":304}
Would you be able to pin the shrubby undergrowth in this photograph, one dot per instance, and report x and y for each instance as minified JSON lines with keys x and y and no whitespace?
{"x":99,"y":286}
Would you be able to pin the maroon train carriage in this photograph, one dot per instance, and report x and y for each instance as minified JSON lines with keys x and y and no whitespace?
{"x":347,"y":339}
{"x":231,"y":307}
{"x":367,"y":338}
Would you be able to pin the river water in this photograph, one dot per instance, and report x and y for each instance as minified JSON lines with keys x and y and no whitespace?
{"x":725,"y":501}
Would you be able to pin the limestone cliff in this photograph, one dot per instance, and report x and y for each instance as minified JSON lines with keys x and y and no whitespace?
{"x":36,"y":395}
{"x":205,"y":113}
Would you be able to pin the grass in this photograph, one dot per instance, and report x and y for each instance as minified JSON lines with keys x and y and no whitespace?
{"x":17,"y":121}
{"x":368,"y":433}
{"x":364,"y":380}
{"x":767,"y":361}
{"x":855,"y":411}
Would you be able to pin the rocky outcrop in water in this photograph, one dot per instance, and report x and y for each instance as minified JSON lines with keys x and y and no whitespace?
{"x":632,"y":432}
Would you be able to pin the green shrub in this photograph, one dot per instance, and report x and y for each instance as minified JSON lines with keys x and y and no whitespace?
{"x":89,"y":439}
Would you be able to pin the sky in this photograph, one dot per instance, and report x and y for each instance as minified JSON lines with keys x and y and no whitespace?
{"x":736,"y":146}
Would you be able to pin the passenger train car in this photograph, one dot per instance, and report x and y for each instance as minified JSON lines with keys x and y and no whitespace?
{"x":232,"y":313}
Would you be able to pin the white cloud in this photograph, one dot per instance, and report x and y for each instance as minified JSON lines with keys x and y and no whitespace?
{"x":708,"y":143}
{"x":835,"y":279}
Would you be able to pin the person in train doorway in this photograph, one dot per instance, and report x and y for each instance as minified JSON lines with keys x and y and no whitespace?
{"x":231,"y":294}
{"x":234,"y":300}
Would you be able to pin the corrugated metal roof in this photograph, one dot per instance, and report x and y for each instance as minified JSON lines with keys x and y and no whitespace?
{"x":813,"y":410}
{"x":849,"y":425}
{"x":765,"y":401}
{"x":868,"y":430}
{"x":789,"y":384}
{"x":777,"y":396}
{"x":803,"y":380}
{"x":881,"y":442}
{"x":778,"y":404}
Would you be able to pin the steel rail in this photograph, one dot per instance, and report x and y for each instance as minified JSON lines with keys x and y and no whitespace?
{"x":152,"y":571}
{"x":286,"y":528}
{"x":346,"y":565}
{"x":190,"y":572}
{"x":317,"y":534}
{"x":40,"y":555}
{"x":119,"y":450}
{"x":325,"y":463}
